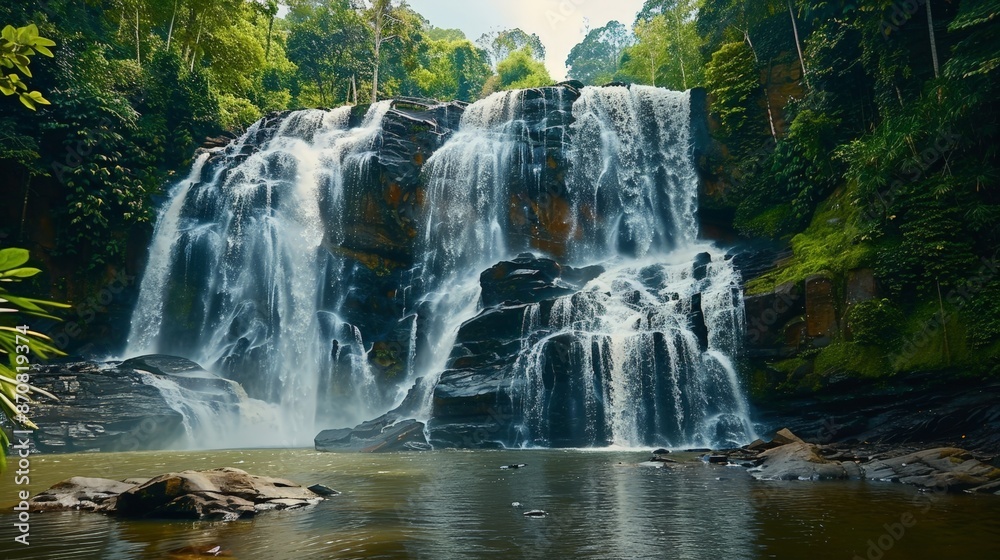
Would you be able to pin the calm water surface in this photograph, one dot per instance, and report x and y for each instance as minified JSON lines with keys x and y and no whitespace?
{"x":457,"y":505}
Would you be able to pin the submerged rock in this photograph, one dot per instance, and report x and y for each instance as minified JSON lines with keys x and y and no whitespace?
{"x":226,"y":494}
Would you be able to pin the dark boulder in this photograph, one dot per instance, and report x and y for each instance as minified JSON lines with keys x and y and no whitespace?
{"x":384,"y":434}
{"x":531,"y":279}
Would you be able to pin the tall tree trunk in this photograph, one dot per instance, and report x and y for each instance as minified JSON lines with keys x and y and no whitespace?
{"x":680,"y":53}
{"x":194,"y":49}
{"x":170,"y":31}
{"x":270,"y":29}
{"x":138,"y":56}
{"x":930,"y":30}
{"x":378,"y":49}
{"x":767,"y":100}
{"x":798,"y":44}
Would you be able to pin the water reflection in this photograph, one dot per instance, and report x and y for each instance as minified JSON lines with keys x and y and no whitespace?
{"x":457,"y":505}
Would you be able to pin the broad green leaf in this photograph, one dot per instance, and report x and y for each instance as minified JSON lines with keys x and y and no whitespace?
{"x":13,"y":257}
{"x":26,"y":272}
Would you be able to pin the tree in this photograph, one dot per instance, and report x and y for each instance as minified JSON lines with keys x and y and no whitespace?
{"x":383,"y":23}
{"x":501,"y":44}
{"x":520,"y":70}
{"x":17,"y":46}
{"x":597,"y":58}
{"x":451,"y":67}
{"x":328,"y":43}
{"x":668,"y":50}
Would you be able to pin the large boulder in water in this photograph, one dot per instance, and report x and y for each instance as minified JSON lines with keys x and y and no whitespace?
{"x":224,"y":493}
{"x":385,"y":434}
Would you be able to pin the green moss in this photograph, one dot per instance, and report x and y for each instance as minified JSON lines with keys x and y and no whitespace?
{"x":853,"y":359}
{"x":771,"y":223}
{"x":831,"y":244}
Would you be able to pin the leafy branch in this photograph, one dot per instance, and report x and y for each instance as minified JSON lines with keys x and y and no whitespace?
{"x":19,"y":343}
{"x":17,"y":46}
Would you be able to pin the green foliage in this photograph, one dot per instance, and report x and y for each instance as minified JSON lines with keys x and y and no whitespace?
{"x":19,"y":345}
{"x":500,"y":45}
{"x":668,"y":50}
{"x":597,"y":59}
{"x":876,"y":322}
{"x":451,"y":69}
{"x":831,"y":245}
{"x":520,"y":70}
{"x":237,"y":112}
{"x":731,"y":78}
{"x":853,"y":359}
{"x":17,"y":46}
{"x":982,"y":313}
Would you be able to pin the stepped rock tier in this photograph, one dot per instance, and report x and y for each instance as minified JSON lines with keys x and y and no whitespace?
{"x":522,"y":271}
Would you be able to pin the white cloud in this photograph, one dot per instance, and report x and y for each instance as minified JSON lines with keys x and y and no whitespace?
{"x":559,"y":23}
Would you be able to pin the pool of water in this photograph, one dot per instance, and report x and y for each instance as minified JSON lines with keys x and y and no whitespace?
{"x":457,"y":505}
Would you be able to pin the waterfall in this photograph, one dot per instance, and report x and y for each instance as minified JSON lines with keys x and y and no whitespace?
{"x":639,"y":373}
{"x":239,"y":279}
{"x":255,"y":270}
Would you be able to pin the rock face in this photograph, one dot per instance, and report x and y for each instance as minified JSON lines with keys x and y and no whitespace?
{"x":384,"y":434}
{"x":472,"y":404}
{"x":915,"y":409}
{"x":118,"y":407}
{"x":225,"y":494}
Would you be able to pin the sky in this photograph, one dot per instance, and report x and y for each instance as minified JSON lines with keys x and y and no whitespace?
{"x":559,"y":23}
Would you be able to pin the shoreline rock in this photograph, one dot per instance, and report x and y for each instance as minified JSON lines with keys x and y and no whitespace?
{"x":223,"y":494}
{"x":948,"y":469}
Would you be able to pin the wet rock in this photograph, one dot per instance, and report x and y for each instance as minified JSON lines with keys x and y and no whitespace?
{"x":101,"y":408}
{"x":946,"y":468}
{"x":535,"y":513}
{"x":224,"y":494}
{"x":88,"y":494}
{"x":924,"y":410}
{"x":661,"y":451}
{"x":821,"y":308}
{"x":322,"y":490}
{"x":767,"y":316}
{"x":199,"y":552}
{"x":785,"y":436}
{"x":701,"y":262}
{"x":698,"y":325}
{"x":861,"y":286}
{"x":530,"y":279}
{"x":384,"y":434}
{"x":797,"y":461}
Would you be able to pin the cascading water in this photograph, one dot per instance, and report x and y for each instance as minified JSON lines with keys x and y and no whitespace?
{"x":253,"y":270}
{"x":239,"y":279}
{"x":640,"y":373}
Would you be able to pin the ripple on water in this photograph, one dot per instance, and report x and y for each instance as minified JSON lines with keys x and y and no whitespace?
{"x":447,"y":505}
